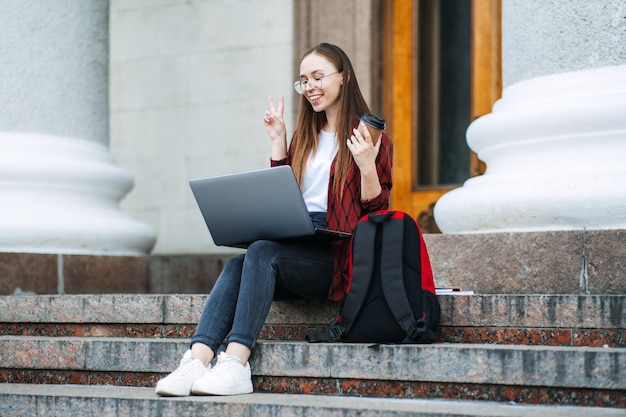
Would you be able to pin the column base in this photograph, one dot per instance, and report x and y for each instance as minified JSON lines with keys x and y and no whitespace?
{"x":555,"y":149}
{"x":61,"y":195}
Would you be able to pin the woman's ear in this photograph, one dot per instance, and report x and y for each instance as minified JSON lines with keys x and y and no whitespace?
{"x":344,"y":73}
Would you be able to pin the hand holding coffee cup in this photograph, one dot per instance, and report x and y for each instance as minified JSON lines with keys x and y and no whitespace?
{"x":375,"y":126}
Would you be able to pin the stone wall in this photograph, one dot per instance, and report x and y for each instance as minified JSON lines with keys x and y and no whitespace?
{"x":189,"y":85}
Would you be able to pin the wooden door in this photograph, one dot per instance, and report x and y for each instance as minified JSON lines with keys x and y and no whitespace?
{"x":437,"y":79}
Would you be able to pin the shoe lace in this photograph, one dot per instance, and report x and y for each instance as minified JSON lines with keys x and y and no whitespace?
{"x":185,"y":367}
{"x":225,"y":363}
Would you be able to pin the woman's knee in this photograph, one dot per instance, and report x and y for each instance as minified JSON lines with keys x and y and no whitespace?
{"x":234,"y":264}
{"x":231,"y":272}
{"x":263,"y":250}
{"x":263,"y":246}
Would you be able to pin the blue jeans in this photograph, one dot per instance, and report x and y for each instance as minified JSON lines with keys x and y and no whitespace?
{"x":240,"y":300}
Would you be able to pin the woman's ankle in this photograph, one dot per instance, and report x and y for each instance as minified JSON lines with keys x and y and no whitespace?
{"x":202,"y":352}
{"x":239,"y":350}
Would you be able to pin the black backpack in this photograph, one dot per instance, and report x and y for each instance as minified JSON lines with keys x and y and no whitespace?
{"x":391,"y":295}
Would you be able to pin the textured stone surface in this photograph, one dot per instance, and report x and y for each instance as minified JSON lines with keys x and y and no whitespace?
{"x":183,"y":308}
{"x":93,"y":354}
{"x":39,"y":353}
{"x":560,"y":36}
{"x":491,"y":364}
{"x":79,"y":377}
{"x":512,"y":263}
{"x":606,"y":261}
{"x":28,"y":272}
{"x":524,"y":310}
{"x":97,"y":330}
{"x":105,"y":274}
{"x":114,"y":308}
{"x":557,"y":320}
{"x":513,"y":335}
{"x":591,"y":311}
{"x":418,"y":389}
{"x":348,"y":387}
{"x":130,"y":339}
{"x":194,"y":274}
{"x":69,"y":401}
{"x":597,"y":368}
{"x":560,"y":262}
{"x":72,"y":274}
{"x":487,"y":334}
{"x":53,"y":80}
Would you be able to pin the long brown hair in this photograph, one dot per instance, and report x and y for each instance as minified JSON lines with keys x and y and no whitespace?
{"x":351,"y":106}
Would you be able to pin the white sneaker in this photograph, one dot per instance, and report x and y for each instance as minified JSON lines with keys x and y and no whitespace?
{"x":179,"y":382}
{"x":228,"y":377}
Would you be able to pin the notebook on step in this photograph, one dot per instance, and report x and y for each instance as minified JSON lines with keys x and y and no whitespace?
{"x":266,"y":204}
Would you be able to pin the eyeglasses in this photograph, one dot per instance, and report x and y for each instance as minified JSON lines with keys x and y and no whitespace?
{"x":316,"y":82}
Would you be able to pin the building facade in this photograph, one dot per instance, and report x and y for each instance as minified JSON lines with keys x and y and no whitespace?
{"x":169,"y":90}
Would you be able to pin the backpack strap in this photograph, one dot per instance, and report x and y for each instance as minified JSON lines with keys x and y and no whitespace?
{"x":363,"y":253}
{"x":334,"y":335}
{"x":393,"y":284}
{"x":363,"y":256}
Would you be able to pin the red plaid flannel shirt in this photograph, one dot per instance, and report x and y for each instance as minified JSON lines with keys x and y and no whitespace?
{"x":344,"y":214}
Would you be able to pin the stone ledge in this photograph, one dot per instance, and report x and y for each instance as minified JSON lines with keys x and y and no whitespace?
{"x":72,"y":274}
{"x":70,"y":401}
{"x":559,"y":262}
{"x":85,"y":274}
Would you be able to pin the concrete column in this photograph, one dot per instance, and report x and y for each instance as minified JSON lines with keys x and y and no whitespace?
{"x":555,"y":143}
{"x":59,"y":187}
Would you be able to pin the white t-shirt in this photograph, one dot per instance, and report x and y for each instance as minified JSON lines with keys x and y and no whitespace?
{"x":317,"y":173}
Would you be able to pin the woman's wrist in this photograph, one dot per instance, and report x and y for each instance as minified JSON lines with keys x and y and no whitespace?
{"x":279,"y":149}
{"x":369,"y":171}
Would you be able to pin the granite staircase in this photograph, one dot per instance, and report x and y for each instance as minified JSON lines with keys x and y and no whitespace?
{"x":495,"y":355}
{"x":539,"y":337}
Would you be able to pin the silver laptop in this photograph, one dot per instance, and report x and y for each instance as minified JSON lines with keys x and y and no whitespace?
{"x":263,"y":204}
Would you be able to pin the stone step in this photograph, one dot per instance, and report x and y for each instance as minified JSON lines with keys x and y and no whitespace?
{"x":79,"y":401}
{"x":529,"y":374}
{"x":559,"y":320}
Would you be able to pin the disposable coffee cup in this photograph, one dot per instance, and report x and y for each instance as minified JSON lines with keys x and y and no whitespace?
{"x":375,"y":125}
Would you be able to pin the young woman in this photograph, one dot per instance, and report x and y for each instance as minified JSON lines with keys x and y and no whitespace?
{"x":344,"y":174}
